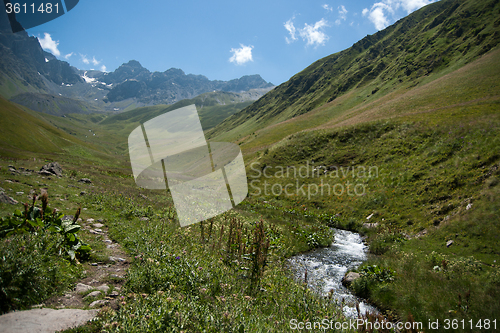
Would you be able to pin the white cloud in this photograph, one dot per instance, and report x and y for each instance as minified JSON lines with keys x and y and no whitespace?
{"x":85,"y":60}
{"x":380,"y":11}
{"x":328,"y":8}
{"x":67,"y":56}
{"x":103,"y":68}
{"x":95,"y":62}
{"x":413,"y":5}
{"x":242,"y":55}
{"x":313,"y":34}
{"x":291,"y":29}
{"x":48,"y":44}
{"x":343,"y":12}
{"x":378,"y":15}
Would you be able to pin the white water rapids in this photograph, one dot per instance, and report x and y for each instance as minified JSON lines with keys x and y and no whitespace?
{"x":327,"y":266}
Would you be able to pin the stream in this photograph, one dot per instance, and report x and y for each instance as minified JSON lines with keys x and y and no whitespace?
{"x":327,"y":266}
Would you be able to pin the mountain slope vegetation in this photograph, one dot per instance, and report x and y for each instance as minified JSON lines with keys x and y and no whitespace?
{"x":425,"y":45}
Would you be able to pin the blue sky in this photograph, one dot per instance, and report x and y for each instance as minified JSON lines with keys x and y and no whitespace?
{"x":222,"y":40}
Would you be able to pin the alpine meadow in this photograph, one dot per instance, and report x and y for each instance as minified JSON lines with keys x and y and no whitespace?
{"x":395,"y":139}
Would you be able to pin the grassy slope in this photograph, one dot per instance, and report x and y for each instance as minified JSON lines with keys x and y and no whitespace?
{"x":24,"y":133}
{"x":436,"y":149}
{"x":423,"y":46}
{"x":52,"y":104}
{"x":212,"y":107}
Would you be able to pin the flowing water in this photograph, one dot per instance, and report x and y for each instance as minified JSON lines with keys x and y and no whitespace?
{"x":327,"y":266}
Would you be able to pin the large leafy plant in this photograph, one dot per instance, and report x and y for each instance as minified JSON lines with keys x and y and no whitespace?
{"x":35,"y":220}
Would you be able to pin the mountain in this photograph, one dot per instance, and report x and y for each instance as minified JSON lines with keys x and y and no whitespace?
{"x":37,"y":79}
{"x":131,"y":80}
{"x":25,"y":66}
{"x":427,"y":43}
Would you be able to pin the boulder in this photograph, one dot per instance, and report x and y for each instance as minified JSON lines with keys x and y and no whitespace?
{"x":349,"y":278}
{"x":4,"y":198}
{"x":53,"y":168}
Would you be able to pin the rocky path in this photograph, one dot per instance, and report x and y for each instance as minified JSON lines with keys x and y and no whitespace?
{"x":100,"y":287}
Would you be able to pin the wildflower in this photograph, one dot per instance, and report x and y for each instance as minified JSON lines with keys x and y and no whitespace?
{"x":132,"y":315}
{"x":160,"y":292}
{"x":177,"y":257}
{"x":203,"y":290}
{"x":248,"y":298}
{"x":200,"y":268}
{"x":169,"y":299}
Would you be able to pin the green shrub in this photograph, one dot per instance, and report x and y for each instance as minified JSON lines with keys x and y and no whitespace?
{"x":31,"y":270}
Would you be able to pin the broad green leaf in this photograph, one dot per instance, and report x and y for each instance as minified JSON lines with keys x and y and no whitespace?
{"x":54,"y":228}
{"x":72,"y":228}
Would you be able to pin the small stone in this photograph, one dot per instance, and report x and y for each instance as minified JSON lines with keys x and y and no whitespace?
{"x":93,"y":264}
{"x":100,"y":220}
{"x":83,"y":193}
{"x":104,"y":288}
{"x":144,"y":218}
{"x":80,"y":288}
{"x":44,"y":173}
{"x":109,"y":241}
{"x":93,"y":294}
{"x":99,"y":303}
{"x":19,"y":193}
{"x":85,"y":181}
{"x":90,"y":220}
{"x":98,"y":225}
{"x":98,"y":230}
{"x":469,"y":206}
{"x":449,"y":243}
{"x":114,"y":293}
{"x":351,"y":276}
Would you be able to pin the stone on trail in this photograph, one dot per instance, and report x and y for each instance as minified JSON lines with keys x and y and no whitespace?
{"x":80,"y":288}
{"x":93,"y":294}
{"x":44,"y":320}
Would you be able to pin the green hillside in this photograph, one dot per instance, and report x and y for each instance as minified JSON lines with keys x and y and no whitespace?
{"x":51,"y":104}
{"x":423,"y":46}
{"x":23,"y":134}
{"x":212,"y":108}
